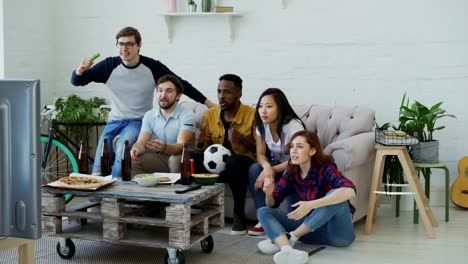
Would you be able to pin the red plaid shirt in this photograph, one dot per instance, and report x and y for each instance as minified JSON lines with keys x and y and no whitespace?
{"x":317,"y":183}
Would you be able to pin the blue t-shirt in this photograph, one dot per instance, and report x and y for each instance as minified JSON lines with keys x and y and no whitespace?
{"x":168,"y":130}
{"x":132,"y":88}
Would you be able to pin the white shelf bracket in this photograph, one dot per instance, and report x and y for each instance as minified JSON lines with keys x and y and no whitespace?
{"x":168,"y":21}
{"x":231,"y":28}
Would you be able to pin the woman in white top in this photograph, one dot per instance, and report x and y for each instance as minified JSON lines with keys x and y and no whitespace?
{"x":276,"y":122}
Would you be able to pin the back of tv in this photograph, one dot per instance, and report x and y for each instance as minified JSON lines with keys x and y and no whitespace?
{"x":20,"y":159}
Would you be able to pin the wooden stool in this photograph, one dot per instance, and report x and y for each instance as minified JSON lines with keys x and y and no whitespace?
{"x":427,"y":185}
{"x":413,"y":181}
{"x":26,"y":248}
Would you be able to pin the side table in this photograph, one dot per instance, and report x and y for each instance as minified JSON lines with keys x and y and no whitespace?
{"x":427,"y":187}
{"x":26,"y":248}
{"x":413,"y":181}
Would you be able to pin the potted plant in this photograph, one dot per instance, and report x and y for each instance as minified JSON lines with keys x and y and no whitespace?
{"x":420,"y":121}
{"x":192,"y":6}
{"x":76,"y":109}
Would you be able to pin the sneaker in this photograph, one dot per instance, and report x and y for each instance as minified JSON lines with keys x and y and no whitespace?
{"x":256,"y":231}
{"x":238,"y":226}
{"x":291,"y":256}
{"x":268,"y":247}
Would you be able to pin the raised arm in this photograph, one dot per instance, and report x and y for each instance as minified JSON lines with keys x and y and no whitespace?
{"x":159,"y":69}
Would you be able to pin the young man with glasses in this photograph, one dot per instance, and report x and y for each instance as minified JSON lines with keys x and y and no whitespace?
{"x":131,"y":79}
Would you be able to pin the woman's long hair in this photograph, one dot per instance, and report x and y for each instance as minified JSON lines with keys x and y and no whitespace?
{"x":285,"y":111}
{"x":317,"y":160}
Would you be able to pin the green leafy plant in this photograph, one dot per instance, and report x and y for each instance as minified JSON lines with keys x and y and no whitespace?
{"x":416,"y":120}
{"x":421,"y":119}
{"x":76,"y":109}
{"x":191,"y":2}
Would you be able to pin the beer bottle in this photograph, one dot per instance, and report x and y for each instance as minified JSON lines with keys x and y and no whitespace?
{"x":105,"y":159}
{"x":126,"y":163}
{"x":185,"y":171}
{"x":83,"y":166}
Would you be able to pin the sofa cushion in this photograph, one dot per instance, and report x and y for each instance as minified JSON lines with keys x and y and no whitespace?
{"x":338,"y":122}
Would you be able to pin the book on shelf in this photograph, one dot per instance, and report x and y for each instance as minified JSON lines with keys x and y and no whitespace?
{"x":223,"y":9}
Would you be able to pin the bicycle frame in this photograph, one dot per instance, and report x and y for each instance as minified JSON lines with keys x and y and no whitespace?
{"x":54,"y":128}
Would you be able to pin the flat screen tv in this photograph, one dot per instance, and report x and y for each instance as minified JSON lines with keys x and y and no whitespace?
{"x":20,"y":159}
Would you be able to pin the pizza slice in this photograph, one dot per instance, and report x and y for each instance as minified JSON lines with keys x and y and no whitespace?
{"x":80,"y":182}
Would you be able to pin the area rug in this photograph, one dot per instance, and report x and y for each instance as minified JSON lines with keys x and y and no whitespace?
{"x":227,"y":249}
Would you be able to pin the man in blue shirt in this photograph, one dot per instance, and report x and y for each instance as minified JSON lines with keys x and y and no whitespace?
{"x":165,"y":130}
{"x":131,"y":79}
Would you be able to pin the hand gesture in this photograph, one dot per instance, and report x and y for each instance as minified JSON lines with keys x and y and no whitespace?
{"x":267,"y":173}
{"x":303,"y":208}
{"x":268,"y":187}
{"x":134,"y":153}
{"x":85,"y":64}
{"x":234,"y":136}
{"x":156,"y":145}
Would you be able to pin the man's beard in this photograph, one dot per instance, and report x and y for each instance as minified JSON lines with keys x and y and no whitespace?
{"x":229,"y":107}
{"x":167,"y":105}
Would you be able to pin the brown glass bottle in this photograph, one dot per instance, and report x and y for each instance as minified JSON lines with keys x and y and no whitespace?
{"x":83,"y":165}
{"x":105,"y":159}
{"x":185,"y":171}
{"x":126,"y":163}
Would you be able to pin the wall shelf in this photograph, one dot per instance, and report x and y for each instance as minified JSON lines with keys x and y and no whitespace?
{"x":168,"y":17}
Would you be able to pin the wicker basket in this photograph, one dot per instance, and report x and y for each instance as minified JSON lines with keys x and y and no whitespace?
{"x":394,"y":138}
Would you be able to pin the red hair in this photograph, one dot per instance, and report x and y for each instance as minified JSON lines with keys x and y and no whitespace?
{"x":317,"y":160}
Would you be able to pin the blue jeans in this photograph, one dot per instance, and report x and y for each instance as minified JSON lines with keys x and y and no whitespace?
{"x":128,"y":130}
{"x":258,"y":195}
{"x":330,"y":225}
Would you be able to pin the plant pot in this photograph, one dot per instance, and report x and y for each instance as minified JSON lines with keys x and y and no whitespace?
{"x":192,"y":8}
{"x":426,"y":152}
{"x":172,"y":6}
{"x":206,"y":5}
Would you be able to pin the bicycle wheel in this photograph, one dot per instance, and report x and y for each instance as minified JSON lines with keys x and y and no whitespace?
{"x":60,"y":161}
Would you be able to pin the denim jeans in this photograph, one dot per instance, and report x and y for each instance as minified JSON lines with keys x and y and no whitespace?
{"x":258,"y":195}
{"x":128,"y":130}
{"x":330,"y":225}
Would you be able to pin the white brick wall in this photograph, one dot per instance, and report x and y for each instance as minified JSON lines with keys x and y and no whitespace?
{"x":364,"y":52}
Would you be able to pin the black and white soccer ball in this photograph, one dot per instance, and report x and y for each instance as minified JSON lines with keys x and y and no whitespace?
{"x":215,"y":158}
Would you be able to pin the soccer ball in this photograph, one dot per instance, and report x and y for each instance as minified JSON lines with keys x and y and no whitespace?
{"x":215,"y":158}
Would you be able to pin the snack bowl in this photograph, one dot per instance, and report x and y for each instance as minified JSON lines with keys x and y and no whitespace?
{"x":205,"y":178}
{"x":146,"y":180}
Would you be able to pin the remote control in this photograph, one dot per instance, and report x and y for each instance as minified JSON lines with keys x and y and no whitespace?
{"x":188,"y":188}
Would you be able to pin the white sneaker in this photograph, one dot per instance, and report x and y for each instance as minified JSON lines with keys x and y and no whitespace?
{"x":268,"y":247}
{"x":291,"y":256}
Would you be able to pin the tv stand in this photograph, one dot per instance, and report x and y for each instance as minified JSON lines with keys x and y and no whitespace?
{"x":26,"y":248}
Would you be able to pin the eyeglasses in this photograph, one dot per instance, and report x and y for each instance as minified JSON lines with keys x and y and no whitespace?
{"x":125,"y":44}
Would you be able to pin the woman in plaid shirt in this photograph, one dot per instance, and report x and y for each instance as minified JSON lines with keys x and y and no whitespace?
{"x":323,"y":214}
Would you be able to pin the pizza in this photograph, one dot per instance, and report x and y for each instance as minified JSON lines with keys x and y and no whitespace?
{"x":164,"y":179}
{"x":80,"y":182}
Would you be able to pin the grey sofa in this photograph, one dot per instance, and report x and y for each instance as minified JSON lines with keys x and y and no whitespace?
{"x":345,"y":132}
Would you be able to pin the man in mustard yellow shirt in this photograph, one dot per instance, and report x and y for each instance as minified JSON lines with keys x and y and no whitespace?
{"x":231,"y":124}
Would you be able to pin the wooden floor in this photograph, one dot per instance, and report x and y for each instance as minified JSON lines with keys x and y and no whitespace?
{"x":398,"y":240}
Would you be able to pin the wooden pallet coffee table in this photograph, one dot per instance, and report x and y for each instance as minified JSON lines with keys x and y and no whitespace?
{"x":126,"y":213}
